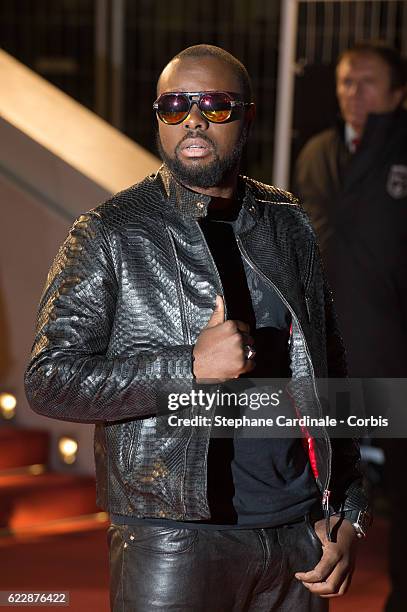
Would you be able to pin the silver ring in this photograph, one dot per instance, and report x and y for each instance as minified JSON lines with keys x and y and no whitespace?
{"x":249,"y":351}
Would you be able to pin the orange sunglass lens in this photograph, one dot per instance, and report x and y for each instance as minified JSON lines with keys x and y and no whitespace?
{"x":172,"y":117}
{"x":173,"y":108}
{"x":217,"y":116}
{"x":216,"y":107}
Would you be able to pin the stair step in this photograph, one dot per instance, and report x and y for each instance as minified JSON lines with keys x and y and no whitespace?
{"x":25,"y":470}
{"x":27,"y":500}
{"x":22,"y":447}
{"x":74,"y":524}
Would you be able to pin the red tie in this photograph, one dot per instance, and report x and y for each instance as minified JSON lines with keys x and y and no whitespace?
{"x":355,"y":142}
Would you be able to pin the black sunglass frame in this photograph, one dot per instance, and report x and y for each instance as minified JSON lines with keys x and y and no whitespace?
{"x":190,"y":95}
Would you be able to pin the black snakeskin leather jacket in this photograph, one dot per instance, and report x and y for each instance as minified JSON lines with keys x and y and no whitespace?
{"x":125,"y":299}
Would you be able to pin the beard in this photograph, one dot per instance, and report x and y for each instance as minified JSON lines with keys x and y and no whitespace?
{"x":204,"y":175}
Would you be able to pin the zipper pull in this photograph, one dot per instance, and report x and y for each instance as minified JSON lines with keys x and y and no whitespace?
{"x":325,"y":505}
{"x":325,"y":500}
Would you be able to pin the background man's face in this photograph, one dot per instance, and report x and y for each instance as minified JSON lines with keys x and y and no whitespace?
{"x":363,"y":86}
{"x":201,"y":153}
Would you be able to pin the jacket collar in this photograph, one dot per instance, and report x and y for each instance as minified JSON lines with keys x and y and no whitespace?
{"x":193,"y":204}
{"x":375,"y":122}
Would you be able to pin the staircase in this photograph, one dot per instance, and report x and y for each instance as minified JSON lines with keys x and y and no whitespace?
{"x":35,"y":500}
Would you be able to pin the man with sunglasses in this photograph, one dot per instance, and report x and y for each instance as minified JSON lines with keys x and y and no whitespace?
{"x":134,"y":313}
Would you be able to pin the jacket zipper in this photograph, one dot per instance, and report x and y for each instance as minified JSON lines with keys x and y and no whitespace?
{"x":187,"y":335}
{"x":181,"y":298}
{"x":307,"y":282}
{"x":326,"y":492}
{"x":309,"y":270}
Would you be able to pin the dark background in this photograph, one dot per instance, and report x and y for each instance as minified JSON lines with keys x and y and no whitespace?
{"x":56,"y":38}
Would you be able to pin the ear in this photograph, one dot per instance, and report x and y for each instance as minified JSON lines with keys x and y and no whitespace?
{"x":399,"y":95}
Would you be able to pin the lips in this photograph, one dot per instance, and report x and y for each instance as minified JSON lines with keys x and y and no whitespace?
{"x":195,"y":147}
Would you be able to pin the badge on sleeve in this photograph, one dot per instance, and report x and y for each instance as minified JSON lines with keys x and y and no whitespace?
{"x":397,"y":182}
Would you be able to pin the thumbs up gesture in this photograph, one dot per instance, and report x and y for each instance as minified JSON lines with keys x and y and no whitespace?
{"x":219,"y":352}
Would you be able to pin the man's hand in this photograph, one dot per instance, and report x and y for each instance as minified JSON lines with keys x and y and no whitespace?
{"x":331,"y":577}
{"x":219,"y":350}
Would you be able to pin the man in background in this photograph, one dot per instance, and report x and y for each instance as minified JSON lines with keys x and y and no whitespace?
{"x":353,"y":183}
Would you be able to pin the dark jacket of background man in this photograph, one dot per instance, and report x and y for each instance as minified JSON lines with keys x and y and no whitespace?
{"x":358,"y":205}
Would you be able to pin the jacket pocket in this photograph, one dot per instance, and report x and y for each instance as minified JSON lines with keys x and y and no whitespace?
{"x":131,"y":441}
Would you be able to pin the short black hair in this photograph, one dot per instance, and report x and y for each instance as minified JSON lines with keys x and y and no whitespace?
{"x":199,"y":51}
{"x":396,"y":64}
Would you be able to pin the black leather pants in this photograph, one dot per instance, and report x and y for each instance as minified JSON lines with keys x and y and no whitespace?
{"x":195,"y":570}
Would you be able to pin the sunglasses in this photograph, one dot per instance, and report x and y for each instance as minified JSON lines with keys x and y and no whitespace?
{"x":216,"y":106}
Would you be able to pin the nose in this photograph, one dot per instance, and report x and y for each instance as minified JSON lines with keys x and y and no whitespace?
{"x":355,"y":89}
{"x":195,"y":119}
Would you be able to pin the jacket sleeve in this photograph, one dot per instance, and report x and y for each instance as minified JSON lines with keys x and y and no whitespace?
{"x":69,"y":376}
